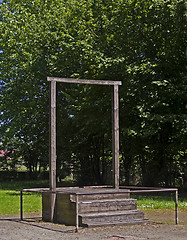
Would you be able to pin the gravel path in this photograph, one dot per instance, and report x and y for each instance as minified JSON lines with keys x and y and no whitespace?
{"x":11,"y":228}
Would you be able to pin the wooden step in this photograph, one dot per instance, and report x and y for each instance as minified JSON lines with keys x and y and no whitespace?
{"x":112,"y":217}
{"x":130,"y":222}
{"x":98,"y":195}
{"x":96,"y":207}
{"x":107,"y":205}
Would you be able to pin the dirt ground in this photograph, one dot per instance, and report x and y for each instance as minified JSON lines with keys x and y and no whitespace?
{"x":161,"y":227}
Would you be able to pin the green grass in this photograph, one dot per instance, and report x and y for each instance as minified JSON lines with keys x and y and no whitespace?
{"x":32,"y":202}
{"x":160,"y":202}
{"x":10,"y":197}
{"x":10,"y":202}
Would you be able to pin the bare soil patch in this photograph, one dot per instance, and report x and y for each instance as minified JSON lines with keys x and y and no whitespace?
{"x":161,"y":227}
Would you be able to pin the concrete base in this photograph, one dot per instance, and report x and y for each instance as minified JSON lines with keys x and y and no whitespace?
{"x":97,"y":206}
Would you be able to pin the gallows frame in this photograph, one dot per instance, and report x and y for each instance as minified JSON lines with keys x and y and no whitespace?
{"x":52,"y":143}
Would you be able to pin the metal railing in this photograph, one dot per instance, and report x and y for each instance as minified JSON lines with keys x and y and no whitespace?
{"x":131,"y":190}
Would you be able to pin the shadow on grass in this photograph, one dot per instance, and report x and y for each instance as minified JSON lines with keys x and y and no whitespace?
{"x":18,"y":185}
{"x":18,"y":193}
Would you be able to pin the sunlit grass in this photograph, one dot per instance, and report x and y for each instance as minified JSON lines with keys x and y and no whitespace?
{"x":10,"y":197}
{"x":32,"y":202}
{"x":159,"y":202}
{"x":10,"y":202}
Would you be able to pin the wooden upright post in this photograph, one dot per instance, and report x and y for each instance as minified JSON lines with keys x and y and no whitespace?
{"x":115,"y":136}
{"x":115,"y":130}
{"x":52,"y":148}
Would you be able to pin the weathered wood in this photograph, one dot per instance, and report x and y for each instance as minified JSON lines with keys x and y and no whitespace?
{"x":115,"y":126}
{"x":65,"y":210}
{"x":112,"y":216}
{"x":107,"y":205}
{"x":116,"y":223}
{"x":84,"y":81}
{"x":52,"y":150}
{"x":87,"y":194}
{"x":101,"y":196}
{"x":69,"y":212}
{"x":115,"y":136}
{"x":46,"y":206}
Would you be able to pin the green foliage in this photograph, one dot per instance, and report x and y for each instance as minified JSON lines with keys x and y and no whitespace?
{"x":141,"y":43}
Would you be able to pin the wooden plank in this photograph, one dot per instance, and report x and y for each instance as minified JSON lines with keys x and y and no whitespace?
{"x":115,"y":223}
{"x":84,"y":81}
{"x":115,"y":137}
{"x":52,"y":148}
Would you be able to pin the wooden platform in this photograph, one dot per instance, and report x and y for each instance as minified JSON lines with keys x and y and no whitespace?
{"x":96,"y":207}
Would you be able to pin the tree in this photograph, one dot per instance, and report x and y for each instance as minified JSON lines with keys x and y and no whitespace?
{"x":141,"y":43}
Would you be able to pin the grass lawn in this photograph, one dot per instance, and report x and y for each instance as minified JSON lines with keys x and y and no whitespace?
{"x":160,"y":202}
{"x":10,"y":198}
